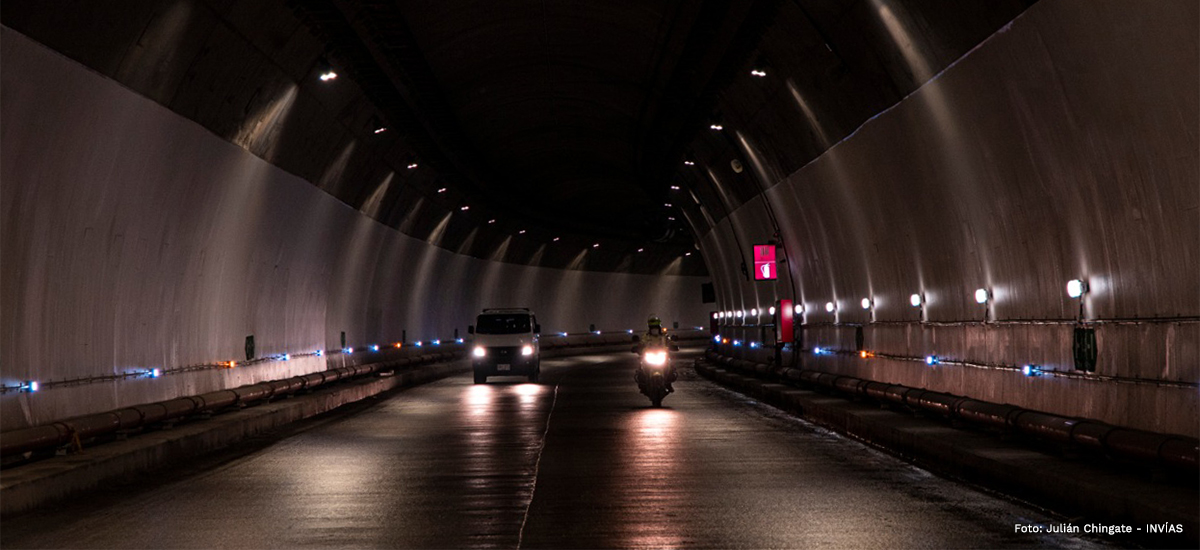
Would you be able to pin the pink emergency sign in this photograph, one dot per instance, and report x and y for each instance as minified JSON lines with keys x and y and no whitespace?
{"x":764,"y":262}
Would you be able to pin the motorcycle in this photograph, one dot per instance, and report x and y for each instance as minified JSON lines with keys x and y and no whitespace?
{"x":652,"y":373}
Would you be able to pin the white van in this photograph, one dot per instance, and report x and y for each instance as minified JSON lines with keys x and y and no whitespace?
{"x":506,"y":344}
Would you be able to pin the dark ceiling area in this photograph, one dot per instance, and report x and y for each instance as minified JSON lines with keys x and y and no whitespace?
{"x":572,"y":114}
{"x":603,"y":136}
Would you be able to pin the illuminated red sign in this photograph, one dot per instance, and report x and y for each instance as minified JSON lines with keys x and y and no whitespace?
{"x":785,"y":322}
{"x":764,"y":262}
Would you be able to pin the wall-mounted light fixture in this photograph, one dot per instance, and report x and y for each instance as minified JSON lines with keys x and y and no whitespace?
{"x":1076,"y":288}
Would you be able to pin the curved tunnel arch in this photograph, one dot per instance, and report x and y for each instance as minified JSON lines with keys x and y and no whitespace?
{"x":1029,"y":156}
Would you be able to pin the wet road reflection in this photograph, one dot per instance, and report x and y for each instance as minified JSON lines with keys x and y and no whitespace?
{"x":579,"y":461}
{"x":654,"y":450}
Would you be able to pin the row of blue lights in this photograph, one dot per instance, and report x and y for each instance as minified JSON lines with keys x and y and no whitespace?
{"x":931,"y":360}
{"x":33,"y":386}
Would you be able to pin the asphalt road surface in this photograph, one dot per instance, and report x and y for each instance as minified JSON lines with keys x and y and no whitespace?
{"x":578,"y":461}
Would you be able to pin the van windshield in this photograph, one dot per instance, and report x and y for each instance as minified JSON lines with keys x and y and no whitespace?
{"x":510,"y":323}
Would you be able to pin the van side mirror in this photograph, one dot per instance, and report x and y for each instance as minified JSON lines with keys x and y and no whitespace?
{"x":470,"y":329}
{"x":635,"y":338}
{"x":537,"y":329}
{"x":672,"y":338}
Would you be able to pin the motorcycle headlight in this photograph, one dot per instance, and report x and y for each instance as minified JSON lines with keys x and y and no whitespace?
{"x":527,"y":350}
{"x":656,"y":358}
{"x":479,"y":351}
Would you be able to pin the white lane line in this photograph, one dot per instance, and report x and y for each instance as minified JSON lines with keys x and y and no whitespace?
{"x":537,"y":465}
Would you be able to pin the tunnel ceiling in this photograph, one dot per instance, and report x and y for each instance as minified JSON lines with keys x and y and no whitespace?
{"x":571,"y":113}
{"x":529,"y":121}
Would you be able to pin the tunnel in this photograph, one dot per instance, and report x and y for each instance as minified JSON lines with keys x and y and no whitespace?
{"x":924,"y":273}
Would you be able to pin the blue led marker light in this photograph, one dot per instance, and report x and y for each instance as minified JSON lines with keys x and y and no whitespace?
{"x":932,"y":360}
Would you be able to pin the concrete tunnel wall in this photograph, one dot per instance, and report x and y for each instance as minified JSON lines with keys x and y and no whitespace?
{"x":1063,"y":147}
{"x":133,"y":238}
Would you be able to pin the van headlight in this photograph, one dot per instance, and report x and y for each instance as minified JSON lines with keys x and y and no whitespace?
{"x":527,"y":350}
{"x":479,"y":351}
{"x":656,"y":358}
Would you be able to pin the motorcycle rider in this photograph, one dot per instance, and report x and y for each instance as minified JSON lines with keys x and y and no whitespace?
{"x":655,"y":337}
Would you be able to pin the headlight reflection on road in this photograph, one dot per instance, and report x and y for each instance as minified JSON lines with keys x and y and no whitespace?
{"x":479,"y":399}
{"x":656,"y":424}
{"x":655,"y":449}
{"x":528,"y":393}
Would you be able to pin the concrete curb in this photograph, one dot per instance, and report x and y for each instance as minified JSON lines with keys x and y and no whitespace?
{"x":1090,"y":490}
